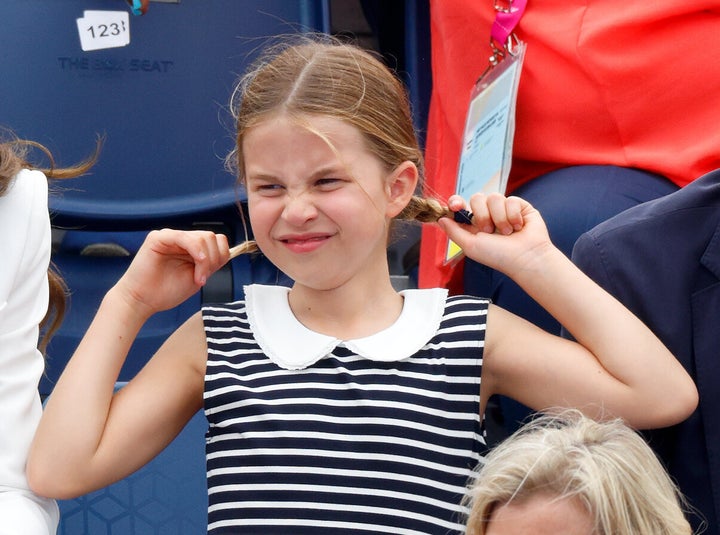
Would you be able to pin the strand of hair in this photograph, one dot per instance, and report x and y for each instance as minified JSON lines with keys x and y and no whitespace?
{"x":243,"y":248}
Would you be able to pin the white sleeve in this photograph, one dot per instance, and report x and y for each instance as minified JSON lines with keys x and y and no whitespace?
{"x":25,"y":243}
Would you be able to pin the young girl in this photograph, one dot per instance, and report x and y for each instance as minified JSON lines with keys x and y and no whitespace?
{"x":339,"y":405}
{"x":32,"y":299}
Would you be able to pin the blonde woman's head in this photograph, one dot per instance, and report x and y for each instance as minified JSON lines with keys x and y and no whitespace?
{"x":605,"y":468}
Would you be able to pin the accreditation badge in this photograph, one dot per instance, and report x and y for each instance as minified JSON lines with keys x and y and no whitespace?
{"x":486,"y":152}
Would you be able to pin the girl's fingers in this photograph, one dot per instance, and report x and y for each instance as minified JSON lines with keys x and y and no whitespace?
{"x":497,"y":208}
{"x":515,"y":206}
{"x":506,"y":213}
{"x":493,"y":212}
{"x":482,"y":217}
{"x":217,"y":253}
{"x":223,"y":247}
{"x":461,"y":236}
{"x":213,"y":253}
{"x":206,"y":250}
{"x":456,"y":203}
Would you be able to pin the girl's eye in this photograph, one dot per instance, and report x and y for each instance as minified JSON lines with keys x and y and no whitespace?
{"x":268,"y":188}
{"x":328,"y":183}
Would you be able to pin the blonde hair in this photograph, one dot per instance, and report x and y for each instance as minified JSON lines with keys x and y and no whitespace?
{"x":322,"y":76}
{"x":606,"y":466}
{"x":14,"y":156}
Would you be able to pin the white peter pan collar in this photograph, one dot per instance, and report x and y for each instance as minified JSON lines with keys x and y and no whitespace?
{"x":291,"y":345}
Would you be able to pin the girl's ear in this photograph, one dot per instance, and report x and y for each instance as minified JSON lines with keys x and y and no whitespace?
{"x":401,"y":186}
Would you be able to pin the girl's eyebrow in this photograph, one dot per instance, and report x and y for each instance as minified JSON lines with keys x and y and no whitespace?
{"x":261,"y":177}
{"x":319,"y":173}
{"x":327,"y":170}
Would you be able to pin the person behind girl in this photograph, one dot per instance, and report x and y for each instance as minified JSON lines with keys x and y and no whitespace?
{"x":339,"y":405}
{"x":32,"y":300}
{"x":566,"y":473}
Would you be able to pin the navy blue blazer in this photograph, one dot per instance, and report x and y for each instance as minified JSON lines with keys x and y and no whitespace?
{"x":662,"y":260}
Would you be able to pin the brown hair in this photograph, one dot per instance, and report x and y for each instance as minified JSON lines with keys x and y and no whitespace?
{"x":320,"y":75}
{"x":14,"y":156}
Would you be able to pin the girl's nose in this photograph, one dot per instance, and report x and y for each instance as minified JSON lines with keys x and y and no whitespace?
{"x":299,"y":209}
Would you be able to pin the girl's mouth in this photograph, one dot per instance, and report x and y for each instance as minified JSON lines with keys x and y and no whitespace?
{"x":304,"y":244}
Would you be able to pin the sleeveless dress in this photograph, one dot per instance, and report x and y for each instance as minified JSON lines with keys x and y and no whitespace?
{"x":313,"y":435}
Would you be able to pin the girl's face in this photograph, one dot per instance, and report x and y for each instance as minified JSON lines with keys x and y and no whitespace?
{"x":320,"y":208}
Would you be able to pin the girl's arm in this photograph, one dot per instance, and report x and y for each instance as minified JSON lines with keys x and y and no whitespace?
{"x":90,"y":437}
{"x":617,"y":367}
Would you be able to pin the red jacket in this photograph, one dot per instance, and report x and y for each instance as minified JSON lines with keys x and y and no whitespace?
{"x":628,"y":83}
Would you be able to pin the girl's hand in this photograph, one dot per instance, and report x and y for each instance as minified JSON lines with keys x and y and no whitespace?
{"x":171,"y":266}
{"x":506,"y":233}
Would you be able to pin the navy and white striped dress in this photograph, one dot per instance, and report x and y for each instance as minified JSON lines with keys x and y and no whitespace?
{"x":313,"y":435}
